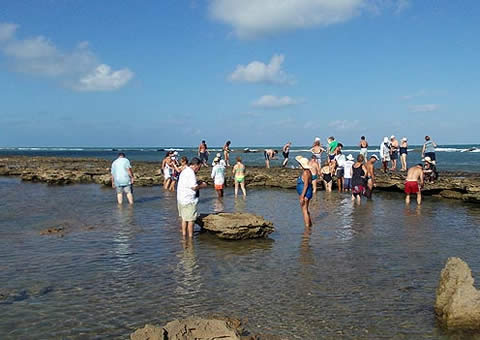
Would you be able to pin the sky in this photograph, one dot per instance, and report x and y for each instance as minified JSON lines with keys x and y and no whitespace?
{"x":256,"y":72}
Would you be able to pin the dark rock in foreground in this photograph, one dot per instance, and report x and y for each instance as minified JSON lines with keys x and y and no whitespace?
{"x":458,"y":302}
{"x":236,"y":226}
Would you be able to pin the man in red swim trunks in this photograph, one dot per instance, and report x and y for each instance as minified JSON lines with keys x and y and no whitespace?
{"x":414,"y":183}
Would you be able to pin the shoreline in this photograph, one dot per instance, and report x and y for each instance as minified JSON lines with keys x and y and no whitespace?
{"x":463,"y":186}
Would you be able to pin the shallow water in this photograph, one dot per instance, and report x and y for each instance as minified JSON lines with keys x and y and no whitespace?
{"x":367,"y":271}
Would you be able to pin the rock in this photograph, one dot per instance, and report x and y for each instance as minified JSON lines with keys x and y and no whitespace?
{"x":457,"y":304}
{"x":236,"y":226}
{"x":189,"y":329}
{"x":60,"y":231}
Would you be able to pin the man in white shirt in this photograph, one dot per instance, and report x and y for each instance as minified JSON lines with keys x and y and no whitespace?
{"x":187,"y":199}
{"x":122,"y":178}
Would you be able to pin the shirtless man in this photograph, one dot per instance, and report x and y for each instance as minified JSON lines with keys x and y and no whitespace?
{"x":286,"y":152}
{"x":414,"y":183}
{"x":203,"y":153}
{"x":269,"y":154}
{"x":315,"y":170}
{"x":394,"y":147}
{"x":371,"y":175}
{"x":363,"y":147}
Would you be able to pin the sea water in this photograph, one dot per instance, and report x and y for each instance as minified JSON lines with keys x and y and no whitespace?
{"x":362,"y":271}
{"x":449,"y":157}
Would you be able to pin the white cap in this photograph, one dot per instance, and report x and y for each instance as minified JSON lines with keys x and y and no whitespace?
{"x":392,"y":137}
{"x":385,"y":139}
{"x":317,"y":139}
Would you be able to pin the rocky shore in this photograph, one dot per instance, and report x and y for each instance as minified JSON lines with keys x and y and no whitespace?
{"x":57,"y":170}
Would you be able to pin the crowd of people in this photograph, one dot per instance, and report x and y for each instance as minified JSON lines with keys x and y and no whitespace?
{"x":353,"y":175}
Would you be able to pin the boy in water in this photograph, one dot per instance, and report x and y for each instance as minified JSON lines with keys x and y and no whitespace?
{"x":363,"y":147}
{"x":203,"y":153}
{"x":370,"y":165}
{"x":414,"y":183}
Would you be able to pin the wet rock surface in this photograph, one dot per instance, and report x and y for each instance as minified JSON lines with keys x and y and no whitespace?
{"x":236,"y":226}
{"x":199,"y":329}
{"x":57,"y":170}
{"x":9,"y":295}
{"x":457,"y":304}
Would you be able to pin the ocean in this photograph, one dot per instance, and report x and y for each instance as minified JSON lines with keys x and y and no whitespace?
{"x":449,"y":157}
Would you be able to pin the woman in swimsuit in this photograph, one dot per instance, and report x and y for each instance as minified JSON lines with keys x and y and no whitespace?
{"x":317,"y":150}
{"x":305,"y":189}
{"x":239,"y":177}
{"x":315,"y":170}
{"x":166,"y":170}
{"x":359,"y":172}
{"x":226,"y":152}
{"x":326,"y":171}
{"x":404,"y":153}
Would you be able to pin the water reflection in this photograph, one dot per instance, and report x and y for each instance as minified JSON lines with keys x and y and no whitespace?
{"x":123,"y":233}
{"x":187,"y":275}
{"x":218,"y":205}
{"x":240,"y":204}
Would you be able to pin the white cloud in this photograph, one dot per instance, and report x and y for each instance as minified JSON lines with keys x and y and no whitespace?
{"x":254,"y":18}
{"x":78,"y":69}
{"x":272,"y":102}
{"x":424,"y":108}
{"x":344,"y":124}
{"x":7,"y":31}
{"x":258,"y":72}
{"x":402,"y":5}
{"x":103,"y":79}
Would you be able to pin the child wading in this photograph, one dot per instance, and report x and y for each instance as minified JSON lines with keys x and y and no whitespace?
{"x":305,"y":189}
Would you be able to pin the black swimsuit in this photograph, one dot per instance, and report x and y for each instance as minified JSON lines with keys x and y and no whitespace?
{"x":403,"y":151}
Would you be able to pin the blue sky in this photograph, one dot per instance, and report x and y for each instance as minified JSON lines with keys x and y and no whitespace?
{"x":258,"y":72}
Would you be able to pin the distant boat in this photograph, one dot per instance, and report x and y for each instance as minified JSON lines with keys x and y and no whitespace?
{"x":248,"y":150}
{"x":170,"y":149}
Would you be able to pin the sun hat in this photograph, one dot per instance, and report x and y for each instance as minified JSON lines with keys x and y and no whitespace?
{"x":216,"y":159}
{"x":392,"y":137}
{"x":404,"y":139}
{"x":374,"y":156}
{"x":219,"y":155}
{"x":427,"y":159}
{"x":303,"y":162}
{"x":317,"y":139}
{"x":350,"y":157}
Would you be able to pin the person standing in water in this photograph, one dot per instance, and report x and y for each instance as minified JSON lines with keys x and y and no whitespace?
{"x":404,"y":153}
{"x":122,"y":178}
{"x":348,"y":172}
{"x":226,"y":152}
{"x":167,"y":170}
{"x":269,"y":154}
{"x":339,"y":161}
{"x":359,"y":172}
{"x":394,"y":152}
{"x":239,"y":177}
{"x":187,"y":199}
{"x":332,"y":146}
{"x":286,"y":153}
{"x":363,"y":147}
{"x":327,"y":171}
{"x":370,"y":165}
{"x":317,"y":150}
{"x":414,"y":183}
{"x":428,"y":149}
{"x":218,"y":176}
{"x":305,"y":189}
{"x":203,"y":153}
{"x":315,"y":170}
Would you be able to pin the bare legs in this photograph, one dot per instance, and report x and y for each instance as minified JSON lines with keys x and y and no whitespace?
{"x":187,"y":227}
{"x":129,"y":198}
{"x":419,"y":198}
{"x":267,"y":163}
{"x":242,"y":186}
{"x":284,"y":164}
{"x":314,"y":185}
{"x":306,"y":214}
{"x":219,"y":193}
{"x":403,"y":159}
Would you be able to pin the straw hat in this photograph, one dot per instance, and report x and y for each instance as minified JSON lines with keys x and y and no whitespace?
{"x":350,"y":157}
{"x":216,"y":159}
{"x":303,"y":162}
{"x":374,"y":156}
{"x":427,"y":159}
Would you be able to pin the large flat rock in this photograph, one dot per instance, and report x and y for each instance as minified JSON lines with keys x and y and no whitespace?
{"x":236,"y":226}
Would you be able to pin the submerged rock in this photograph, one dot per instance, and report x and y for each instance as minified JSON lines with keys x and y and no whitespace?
{"x":236,"y":226}
{"x":189,"y":329}
{"x":458,"y":302}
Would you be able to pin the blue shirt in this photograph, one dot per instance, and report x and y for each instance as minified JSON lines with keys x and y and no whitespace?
{"x":120,"y":173}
